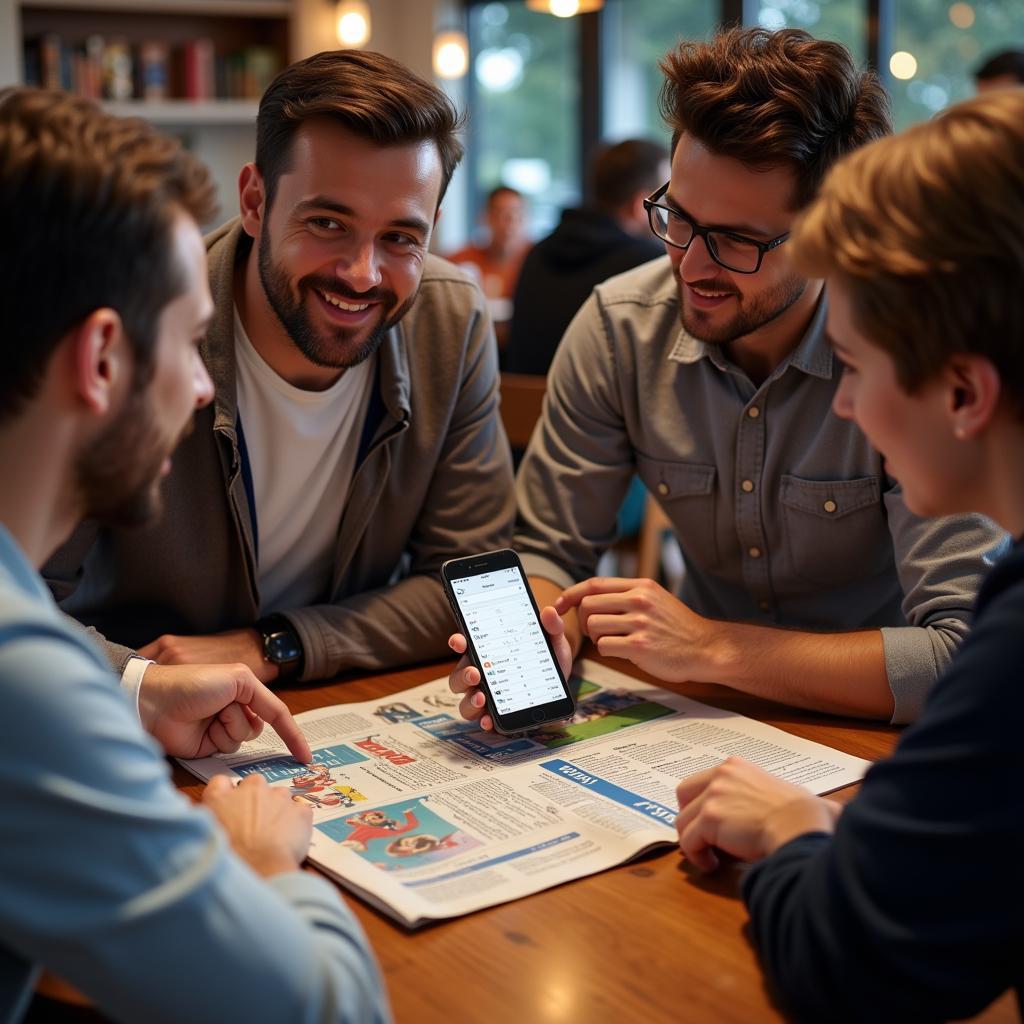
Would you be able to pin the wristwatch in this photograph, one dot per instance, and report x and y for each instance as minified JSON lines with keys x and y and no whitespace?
{"x":282,"y":646}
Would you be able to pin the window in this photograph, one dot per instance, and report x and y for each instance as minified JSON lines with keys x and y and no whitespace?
{"x":524,"y":112}
{"x":844,"y":21}
{"x":635,"y":35}
{"x":939,"y":45}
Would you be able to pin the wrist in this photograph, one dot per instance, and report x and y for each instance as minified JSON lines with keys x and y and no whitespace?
{"x":131,"y":680}
{"x":282,"y":647}
{"x":795,"y":818}
{"x":720,"y":657}
{"x":146,"y":699}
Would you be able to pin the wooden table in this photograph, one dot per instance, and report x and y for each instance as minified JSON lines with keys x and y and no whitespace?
{"x":649,"y":941}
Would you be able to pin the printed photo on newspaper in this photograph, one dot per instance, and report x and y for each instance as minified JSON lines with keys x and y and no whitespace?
{"x":426,"y":817}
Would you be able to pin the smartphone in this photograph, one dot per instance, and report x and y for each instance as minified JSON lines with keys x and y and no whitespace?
{"x":494,"y":607}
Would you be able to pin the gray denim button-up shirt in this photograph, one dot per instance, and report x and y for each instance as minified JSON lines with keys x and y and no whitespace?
{"x":783,"y":511}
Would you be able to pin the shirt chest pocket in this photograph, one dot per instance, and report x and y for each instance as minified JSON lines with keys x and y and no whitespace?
{"x":836,"y":530}
{"x":687,"y":493}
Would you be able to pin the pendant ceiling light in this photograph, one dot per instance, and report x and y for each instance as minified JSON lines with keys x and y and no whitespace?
{"x":565,"y":8}
{"x":352,"y":18}
{"x":451,"y":54}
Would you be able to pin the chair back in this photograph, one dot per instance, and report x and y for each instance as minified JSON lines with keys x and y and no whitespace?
{"x":522,"y":398}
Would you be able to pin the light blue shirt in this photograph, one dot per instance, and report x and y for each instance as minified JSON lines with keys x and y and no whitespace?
{"x":112,"y":879}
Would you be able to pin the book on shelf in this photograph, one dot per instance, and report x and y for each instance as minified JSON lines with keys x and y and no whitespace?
{"x":249,"y":71}
{"x":197,"y":70}
{"x":153,"y":70}
{"x":118,"y":70}
{"x":48,"y":62}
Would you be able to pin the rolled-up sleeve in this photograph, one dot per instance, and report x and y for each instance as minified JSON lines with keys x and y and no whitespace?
{"x":940,"y":563}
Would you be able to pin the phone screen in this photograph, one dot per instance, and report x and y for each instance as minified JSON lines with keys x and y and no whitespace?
{"x":509,"y":641}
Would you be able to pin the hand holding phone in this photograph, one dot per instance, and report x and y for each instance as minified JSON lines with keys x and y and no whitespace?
{"x":464,"y":679}
{"x":519,"y":659}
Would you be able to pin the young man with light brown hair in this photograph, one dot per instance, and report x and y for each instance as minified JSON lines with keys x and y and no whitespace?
{"x":707,"y":372}
{"x":911,"y":910}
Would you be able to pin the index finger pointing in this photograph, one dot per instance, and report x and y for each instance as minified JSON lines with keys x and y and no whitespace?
{"x":572,"y":596}
{"x":273,"y":711}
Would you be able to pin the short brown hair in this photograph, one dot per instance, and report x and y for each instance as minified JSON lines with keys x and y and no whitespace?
{"x":925,"y":230}
{"x":371,"y":95}
{"x":87,"y":203}
{"x":620,"y":171}
{"x":773,"y":98}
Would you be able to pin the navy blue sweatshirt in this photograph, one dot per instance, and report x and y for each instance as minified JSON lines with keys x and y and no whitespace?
{"x":914,"y":909}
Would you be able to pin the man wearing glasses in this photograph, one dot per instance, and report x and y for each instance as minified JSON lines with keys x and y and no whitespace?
{"x":708,"y":373}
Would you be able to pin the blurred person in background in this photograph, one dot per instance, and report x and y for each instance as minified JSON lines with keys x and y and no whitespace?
{"x":590,"y":244}
{"x":496,"y":264}
{"x":1004,"y":70}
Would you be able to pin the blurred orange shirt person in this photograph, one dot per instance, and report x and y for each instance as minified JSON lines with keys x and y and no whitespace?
{"x":496,"y":265}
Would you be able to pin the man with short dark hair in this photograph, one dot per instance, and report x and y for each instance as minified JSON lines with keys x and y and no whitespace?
{"x":707,"y":372}
{"x":156,"y":910}
{"x":590,"y":245}
{"x":354,"y":442}
{"x":1003,"y":70}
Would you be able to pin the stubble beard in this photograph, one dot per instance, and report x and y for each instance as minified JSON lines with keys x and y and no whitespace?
{"x":118,"y":476}
{"x":335,"y":348}
{"x":759,"y":311}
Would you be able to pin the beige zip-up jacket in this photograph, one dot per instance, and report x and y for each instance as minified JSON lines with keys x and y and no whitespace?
{"x":434,"y":481}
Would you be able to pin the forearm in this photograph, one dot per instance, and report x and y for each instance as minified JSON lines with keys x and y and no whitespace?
{"x":117,"y":654}
{"x":838,"y":673}
{"x":378,"y":629}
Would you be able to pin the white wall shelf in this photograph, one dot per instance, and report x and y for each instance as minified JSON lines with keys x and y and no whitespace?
{"x":175,"y":113}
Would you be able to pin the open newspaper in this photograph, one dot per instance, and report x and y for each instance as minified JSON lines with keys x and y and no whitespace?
{"x":425,"y":816}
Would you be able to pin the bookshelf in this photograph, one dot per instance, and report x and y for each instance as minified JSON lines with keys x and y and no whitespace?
{"x":160,"y":51}
{"x":208,"y":99}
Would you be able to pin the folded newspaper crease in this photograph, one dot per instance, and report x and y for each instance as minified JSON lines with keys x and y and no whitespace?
{"x":426,"y":817}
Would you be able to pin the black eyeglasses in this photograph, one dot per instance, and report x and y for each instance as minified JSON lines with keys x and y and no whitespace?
{"x":727,"y":249}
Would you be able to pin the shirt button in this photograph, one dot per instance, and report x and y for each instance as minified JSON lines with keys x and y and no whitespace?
{"x":754,"y":552}
{"x":663,"y":488}
{"x":747,"y":485}
{"x":830,"y":506}
{"x":753,"y":412}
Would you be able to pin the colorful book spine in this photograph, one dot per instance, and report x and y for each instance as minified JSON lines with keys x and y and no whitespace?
{"x":198,"y":70}
{"x":153,"y":71}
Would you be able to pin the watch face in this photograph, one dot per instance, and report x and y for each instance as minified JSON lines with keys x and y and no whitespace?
{"x":282,"y":647}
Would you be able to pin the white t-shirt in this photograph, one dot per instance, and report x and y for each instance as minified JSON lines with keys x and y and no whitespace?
{"x":302,"y":448}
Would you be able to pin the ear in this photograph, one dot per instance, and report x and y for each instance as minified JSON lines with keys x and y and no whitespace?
{"x":100,"y":360}
{"x":251,"y":200}
{"x":973,"y":389}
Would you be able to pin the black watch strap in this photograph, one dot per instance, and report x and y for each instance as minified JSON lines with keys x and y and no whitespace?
{"x":282,"y":646}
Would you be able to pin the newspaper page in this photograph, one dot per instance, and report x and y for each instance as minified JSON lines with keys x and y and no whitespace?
{"x":425,"y":816}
